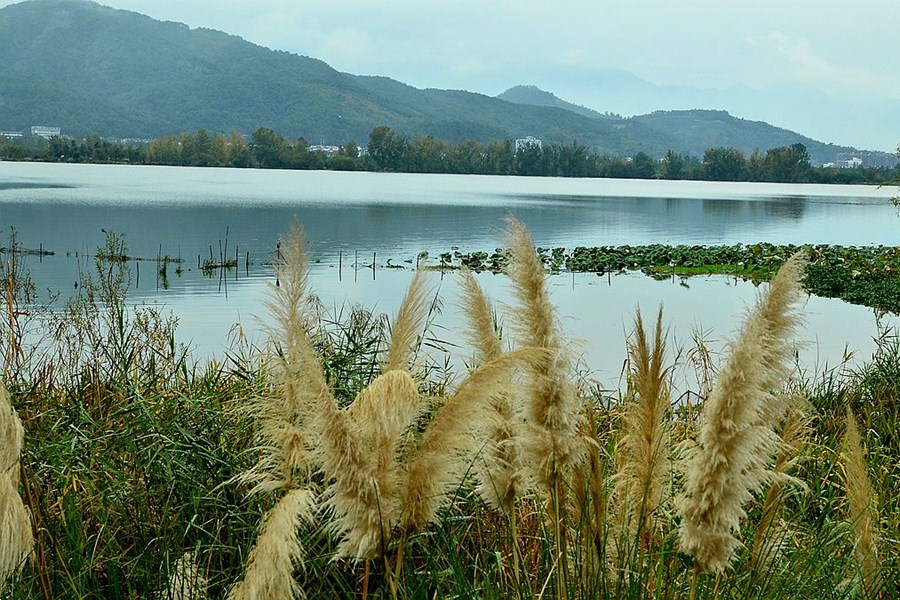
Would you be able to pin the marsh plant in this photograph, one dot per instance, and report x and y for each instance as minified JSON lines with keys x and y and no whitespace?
{"x":336,"y":461}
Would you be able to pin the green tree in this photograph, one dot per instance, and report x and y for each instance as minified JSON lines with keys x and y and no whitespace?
{"x":724,"y":164}
{"x":673,"y":165}
{"x":643,"y":166}
{"x":788,"y":164}
{"x":270,"y":150}
{"x":387,"y":148}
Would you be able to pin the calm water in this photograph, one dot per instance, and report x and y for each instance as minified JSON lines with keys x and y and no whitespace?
{"x":185,"y":212}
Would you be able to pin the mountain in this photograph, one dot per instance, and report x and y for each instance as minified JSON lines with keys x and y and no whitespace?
{"x":533,"y":95}
{"x":90,"y":69}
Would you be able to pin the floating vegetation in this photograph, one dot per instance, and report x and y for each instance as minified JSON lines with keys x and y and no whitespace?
{"x":867,"y":275}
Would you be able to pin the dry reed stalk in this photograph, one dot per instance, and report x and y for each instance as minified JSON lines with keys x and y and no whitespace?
{"x":286,"y":437}
{"x":794,"y":433}
{"x":447,"y":447}
{"x":408,"y":325}
{"x":16,"y":537}
{"x":737,"y":438}
{"x":359,"y":458}
{"x":185,"y":581}
{"x":861,"y":506}
{"x":500,"y":471}
{"x":552,"y":443}
{"x":645,"y":447}
{"x":271,"y":564}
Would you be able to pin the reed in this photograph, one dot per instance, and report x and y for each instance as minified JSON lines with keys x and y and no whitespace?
{"x":551,"y":444}
{"x":737,"y":438}
{"x":278,"y":551}
{"x":408,"y":324}
{"x":500,"y":470}
{"x":645,"y":445}
{"x":16,"y":538}
{"x":286,"y":438}
{"x":861,"y":507}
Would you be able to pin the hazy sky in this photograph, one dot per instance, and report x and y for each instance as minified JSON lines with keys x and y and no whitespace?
{"x":840,"y":47}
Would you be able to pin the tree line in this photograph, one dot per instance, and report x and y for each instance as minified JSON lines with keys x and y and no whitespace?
{"x":392,"y":151}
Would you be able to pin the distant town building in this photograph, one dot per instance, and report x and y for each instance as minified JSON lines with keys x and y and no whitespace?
{"x":45,"y":132}
{"x":327,"y":150}
{"x":11,"y":134}
{"x":527,"y":142}
{"x":865,"y":158}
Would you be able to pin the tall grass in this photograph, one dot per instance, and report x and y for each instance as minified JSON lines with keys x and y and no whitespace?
{"x":371,"y":479}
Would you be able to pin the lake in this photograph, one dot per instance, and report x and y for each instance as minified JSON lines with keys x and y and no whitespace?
{"x":350,"y":217}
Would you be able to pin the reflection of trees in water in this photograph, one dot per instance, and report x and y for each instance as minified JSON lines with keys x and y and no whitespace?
{"x":792,"y":207}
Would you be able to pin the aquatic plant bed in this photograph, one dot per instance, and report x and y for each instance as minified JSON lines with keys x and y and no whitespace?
{"x":867,"y":275}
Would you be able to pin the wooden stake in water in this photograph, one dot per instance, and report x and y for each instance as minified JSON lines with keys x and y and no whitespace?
{"x":373,"y":266}
{"x":340,"y":264}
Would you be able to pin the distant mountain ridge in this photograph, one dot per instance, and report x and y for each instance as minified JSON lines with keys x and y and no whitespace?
{"x":90,"y":69}
{"x":533,"y":95}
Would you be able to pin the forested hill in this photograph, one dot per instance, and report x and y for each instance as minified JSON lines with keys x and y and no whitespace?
{"x":90,"y":69}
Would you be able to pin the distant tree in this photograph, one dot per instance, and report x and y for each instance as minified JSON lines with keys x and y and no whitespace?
{"x":350,"y":150}
{"x":643,"y":166}
{"x":756,"y":166}
{"x":469,"y":157}
{"x":238,"y":150}
{"x":499,"y":158}
{"x":673,"y":165}
{"x":789,"y":164}
{"x":724,"y":164}
{"x":270,"y":150}
{"x":387,"y":148}
{"x":531,"y":160}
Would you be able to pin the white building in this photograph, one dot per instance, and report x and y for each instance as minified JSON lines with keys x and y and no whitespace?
{"x":45,"y":132}
{"x":11,"y":134}
{"x":527,"y":142}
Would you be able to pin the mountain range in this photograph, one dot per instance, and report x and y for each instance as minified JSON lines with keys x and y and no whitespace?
{"x":90,"y":69}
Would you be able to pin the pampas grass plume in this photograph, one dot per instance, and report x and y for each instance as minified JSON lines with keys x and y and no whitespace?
{"x":270,"y":567}
{"x":500,"y":471}
{"x":552,"y":408}
{"x":861,"y":506}
{"x":16,"y":538}
{"x":645,"y":446}
{"x":737,"y":438}
{"x":359,"y":457}
{"x":408,"y":324}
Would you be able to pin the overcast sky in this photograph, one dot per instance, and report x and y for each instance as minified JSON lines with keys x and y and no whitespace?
{"x":840,"y":47}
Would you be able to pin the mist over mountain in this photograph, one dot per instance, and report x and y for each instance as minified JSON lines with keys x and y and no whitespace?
{"x":90,"y":69}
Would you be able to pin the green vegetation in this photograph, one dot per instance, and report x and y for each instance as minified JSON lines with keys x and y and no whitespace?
{"x":867,"y":275}
{"x":390,"y":150}
{"x":92,"y":70}
{"x":137,"y":462}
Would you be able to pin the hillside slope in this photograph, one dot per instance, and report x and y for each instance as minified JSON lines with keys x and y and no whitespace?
{"x":90,"y":69}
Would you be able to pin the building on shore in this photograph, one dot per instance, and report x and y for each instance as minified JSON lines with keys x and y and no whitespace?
{"x":45,"y":132}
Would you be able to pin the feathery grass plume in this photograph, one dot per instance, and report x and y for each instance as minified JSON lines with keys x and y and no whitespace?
{"x":285,"y":438}
{"x":408,"y":324}
{"x":359,"y":450}
{"x":861,"y":506}
{"x":448,"y":445}
{"x":552,"y":443}
{"x":270,"y":567}
{"x":644,"y":465}
{"x":500,"y":471}
{"x":794,"y":433}
{"x":737,"y":436}
{"x":185,"y":581}
{"x":16,"y":538}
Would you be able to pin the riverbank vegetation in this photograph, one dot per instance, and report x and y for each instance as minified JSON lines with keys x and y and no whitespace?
{"x":345,"y":459}
{"x":389,"y":150}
